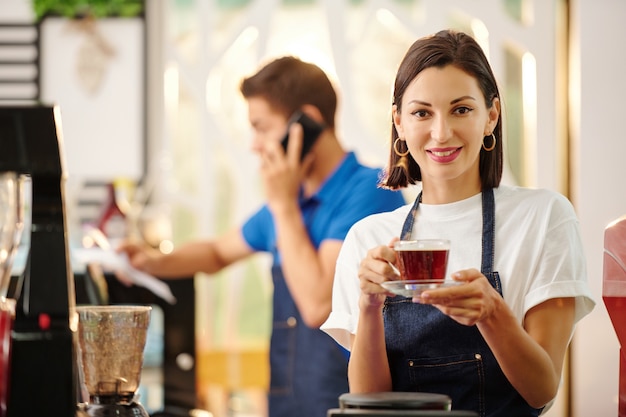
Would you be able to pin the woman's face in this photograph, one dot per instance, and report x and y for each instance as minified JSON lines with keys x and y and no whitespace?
{"x":444,"y":119}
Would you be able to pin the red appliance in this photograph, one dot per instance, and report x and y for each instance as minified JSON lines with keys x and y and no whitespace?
{"x":614,"y":294}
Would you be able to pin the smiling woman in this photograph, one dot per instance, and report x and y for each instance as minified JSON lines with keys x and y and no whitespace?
{"x":516,"y":253}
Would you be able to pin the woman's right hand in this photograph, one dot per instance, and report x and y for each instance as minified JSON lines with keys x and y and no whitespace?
{"x":379,"y":265}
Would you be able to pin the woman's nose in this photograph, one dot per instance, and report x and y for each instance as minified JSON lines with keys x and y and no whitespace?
{"x":441,"y":130}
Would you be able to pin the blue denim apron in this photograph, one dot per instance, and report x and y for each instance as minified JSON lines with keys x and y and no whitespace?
{"x":309,"y":370}
{"x":430,"y":352}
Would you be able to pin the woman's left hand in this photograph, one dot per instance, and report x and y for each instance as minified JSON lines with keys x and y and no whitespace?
{"x":469,"y":303}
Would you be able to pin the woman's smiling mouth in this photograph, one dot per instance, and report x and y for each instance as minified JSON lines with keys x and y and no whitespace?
{"x":444,"y":155}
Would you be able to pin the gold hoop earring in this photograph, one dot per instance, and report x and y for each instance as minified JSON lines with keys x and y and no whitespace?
{"x":493,"y":144}
{"x":395,"y":149}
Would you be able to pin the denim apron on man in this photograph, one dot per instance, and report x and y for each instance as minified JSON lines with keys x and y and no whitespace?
{"x":430,"y":352}
{"x":308,"y":368}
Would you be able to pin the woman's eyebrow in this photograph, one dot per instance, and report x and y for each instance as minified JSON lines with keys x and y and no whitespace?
{"x":456,"y":100}
{"x":423,"y":103}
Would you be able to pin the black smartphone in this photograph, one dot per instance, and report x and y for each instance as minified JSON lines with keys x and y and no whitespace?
{"x":311,"y":130}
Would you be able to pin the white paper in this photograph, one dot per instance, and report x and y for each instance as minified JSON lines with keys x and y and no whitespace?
{"x":113,"y":261}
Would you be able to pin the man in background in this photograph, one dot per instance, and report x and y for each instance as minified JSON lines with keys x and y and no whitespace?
{"x":311,"y":204}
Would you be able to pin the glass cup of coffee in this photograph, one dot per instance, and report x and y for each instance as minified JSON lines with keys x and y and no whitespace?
{"x":423,"y":259}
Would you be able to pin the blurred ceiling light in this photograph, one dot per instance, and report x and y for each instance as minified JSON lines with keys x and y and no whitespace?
{"x":481,"y":34}
{"x":528,"y":13}
{"x":529,"y":101}
{"x":247,"y":37}
{"x":170,"y":87}
{"x":214,"y":80}
{"x":387,"y":19}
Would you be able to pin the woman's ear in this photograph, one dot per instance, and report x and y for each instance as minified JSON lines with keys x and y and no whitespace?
{"x":494,"y":113}
{"x":397,"y":122}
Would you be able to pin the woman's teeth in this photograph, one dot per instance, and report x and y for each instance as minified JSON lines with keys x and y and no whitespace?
{"x":443,"y":153}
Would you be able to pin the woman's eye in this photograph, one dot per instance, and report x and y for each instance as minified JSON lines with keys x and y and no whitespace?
{"x":420,"y":113}
{"x":463,"y":110}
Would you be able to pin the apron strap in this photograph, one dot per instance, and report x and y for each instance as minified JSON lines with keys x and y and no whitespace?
{"x":489,"y":231}
{"x":407,"y":227}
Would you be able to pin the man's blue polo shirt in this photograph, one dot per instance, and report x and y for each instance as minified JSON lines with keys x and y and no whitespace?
{"x":348,"y":195}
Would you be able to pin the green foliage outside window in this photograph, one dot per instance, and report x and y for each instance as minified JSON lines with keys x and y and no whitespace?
{"x":87,"y":8}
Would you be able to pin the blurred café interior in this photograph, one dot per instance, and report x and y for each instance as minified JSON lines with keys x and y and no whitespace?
{"x":157,"y":143}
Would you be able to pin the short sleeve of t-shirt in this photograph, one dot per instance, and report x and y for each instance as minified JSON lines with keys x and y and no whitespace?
{"x":258,"y":230}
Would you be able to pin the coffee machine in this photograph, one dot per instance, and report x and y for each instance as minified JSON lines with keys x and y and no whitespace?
{"x":43,"y":371}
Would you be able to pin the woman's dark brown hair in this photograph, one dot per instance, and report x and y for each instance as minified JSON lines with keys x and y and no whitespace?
{"x":288,"y":83}
{"x":444,"y":48}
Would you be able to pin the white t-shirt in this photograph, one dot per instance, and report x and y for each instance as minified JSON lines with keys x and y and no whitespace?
{"x":538,"y":251}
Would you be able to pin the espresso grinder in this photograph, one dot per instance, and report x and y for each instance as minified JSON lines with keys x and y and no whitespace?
{"x":43,"y":373}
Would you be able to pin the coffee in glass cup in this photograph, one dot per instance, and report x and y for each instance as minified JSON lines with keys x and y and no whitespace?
{"x":422,"y":259}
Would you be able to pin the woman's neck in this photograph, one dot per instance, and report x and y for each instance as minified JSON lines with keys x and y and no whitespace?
{"x":449,"y":191}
